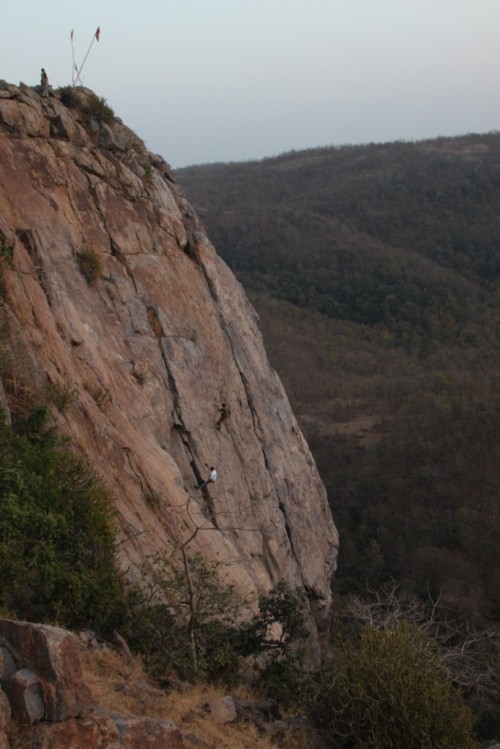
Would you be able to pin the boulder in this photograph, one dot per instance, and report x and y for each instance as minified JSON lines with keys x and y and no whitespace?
{"x":25,"y":697}
{"x":223,"y":710}
{"x":140,"y":690}
{"x":51,"y":653}
{"x":260,"y":713}
{"x":121,"y":646}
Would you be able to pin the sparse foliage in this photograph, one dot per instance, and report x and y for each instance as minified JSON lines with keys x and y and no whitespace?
{"x":187,"y":619}
{"x":61,"y":395}
{"x":89,"y":103}
{"x":90,"y":263}
{"x":391,"y":690}
{"x":100,"y":395}
{"x":283,"y":605}
{"x":69,"y":97}
{"x":6,"y":250}
{"x":6,"y":256}
{"x":153,"y":499}
{"x":469,"y":656}
{"x":96,"y":106}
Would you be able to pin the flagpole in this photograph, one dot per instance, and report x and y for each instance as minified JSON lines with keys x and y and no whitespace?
{"x":96,"y":36}
{"x":73,"y":66}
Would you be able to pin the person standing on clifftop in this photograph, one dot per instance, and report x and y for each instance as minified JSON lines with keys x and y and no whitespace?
{"x":212,"y":477}
{"x":44,"y":82}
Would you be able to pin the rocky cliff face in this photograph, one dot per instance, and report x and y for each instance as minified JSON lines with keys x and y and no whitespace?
{"x":116,"y":307}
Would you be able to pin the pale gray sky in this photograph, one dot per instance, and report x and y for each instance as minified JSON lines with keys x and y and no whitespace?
{"x":227,"y":80}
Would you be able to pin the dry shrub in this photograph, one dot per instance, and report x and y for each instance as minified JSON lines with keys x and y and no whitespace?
{"x":90,"y":263}
{"x":155,"y":322}
{"x":106,"y":673}
{"x":61,"y":395}
{"x":105,"y":670}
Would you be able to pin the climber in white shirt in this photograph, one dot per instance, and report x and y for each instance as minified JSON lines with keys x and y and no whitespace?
{"x":212,"y":477}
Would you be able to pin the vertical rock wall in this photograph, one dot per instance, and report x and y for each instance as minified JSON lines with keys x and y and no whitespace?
{"x":149,"y":341}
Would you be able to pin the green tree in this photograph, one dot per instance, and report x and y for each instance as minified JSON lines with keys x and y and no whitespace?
{"x":183,"y":618}
{"x":57,"y":552}
{"x":281,"y":605}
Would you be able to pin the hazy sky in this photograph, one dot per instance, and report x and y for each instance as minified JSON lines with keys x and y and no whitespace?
{"x":227,"y":80}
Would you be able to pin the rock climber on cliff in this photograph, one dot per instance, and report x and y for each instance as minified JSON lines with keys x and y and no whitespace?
{"x":212,"y":477}
{"x":224,"y":413}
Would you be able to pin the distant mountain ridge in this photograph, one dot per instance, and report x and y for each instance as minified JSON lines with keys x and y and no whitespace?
{"x":397,"y":235}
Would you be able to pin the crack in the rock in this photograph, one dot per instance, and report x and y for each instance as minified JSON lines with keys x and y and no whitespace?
{"x":183,"y":432}
{"x":256,"y":421}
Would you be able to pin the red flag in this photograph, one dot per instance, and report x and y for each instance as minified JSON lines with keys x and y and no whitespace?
{"x":97,"y":33}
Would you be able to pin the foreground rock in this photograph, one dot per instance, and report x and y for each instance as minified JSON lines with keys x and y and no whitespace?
{"x":47,"y":680}
{"x":44,"y":692}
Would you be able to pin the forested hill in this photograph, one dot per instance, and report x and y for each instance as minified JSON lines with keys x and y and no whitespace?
{"x":400,"y":235}
{"x":375,"y":270}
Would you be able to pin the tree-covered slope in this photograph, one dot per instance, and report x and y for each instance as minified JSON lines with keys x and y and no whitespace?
{"x":405,"y":236}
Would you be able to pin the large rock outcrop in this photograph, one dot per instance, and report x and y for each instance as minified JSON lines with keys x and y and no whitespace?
{"x":43,"y":689}
{"x":112,"y":293}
